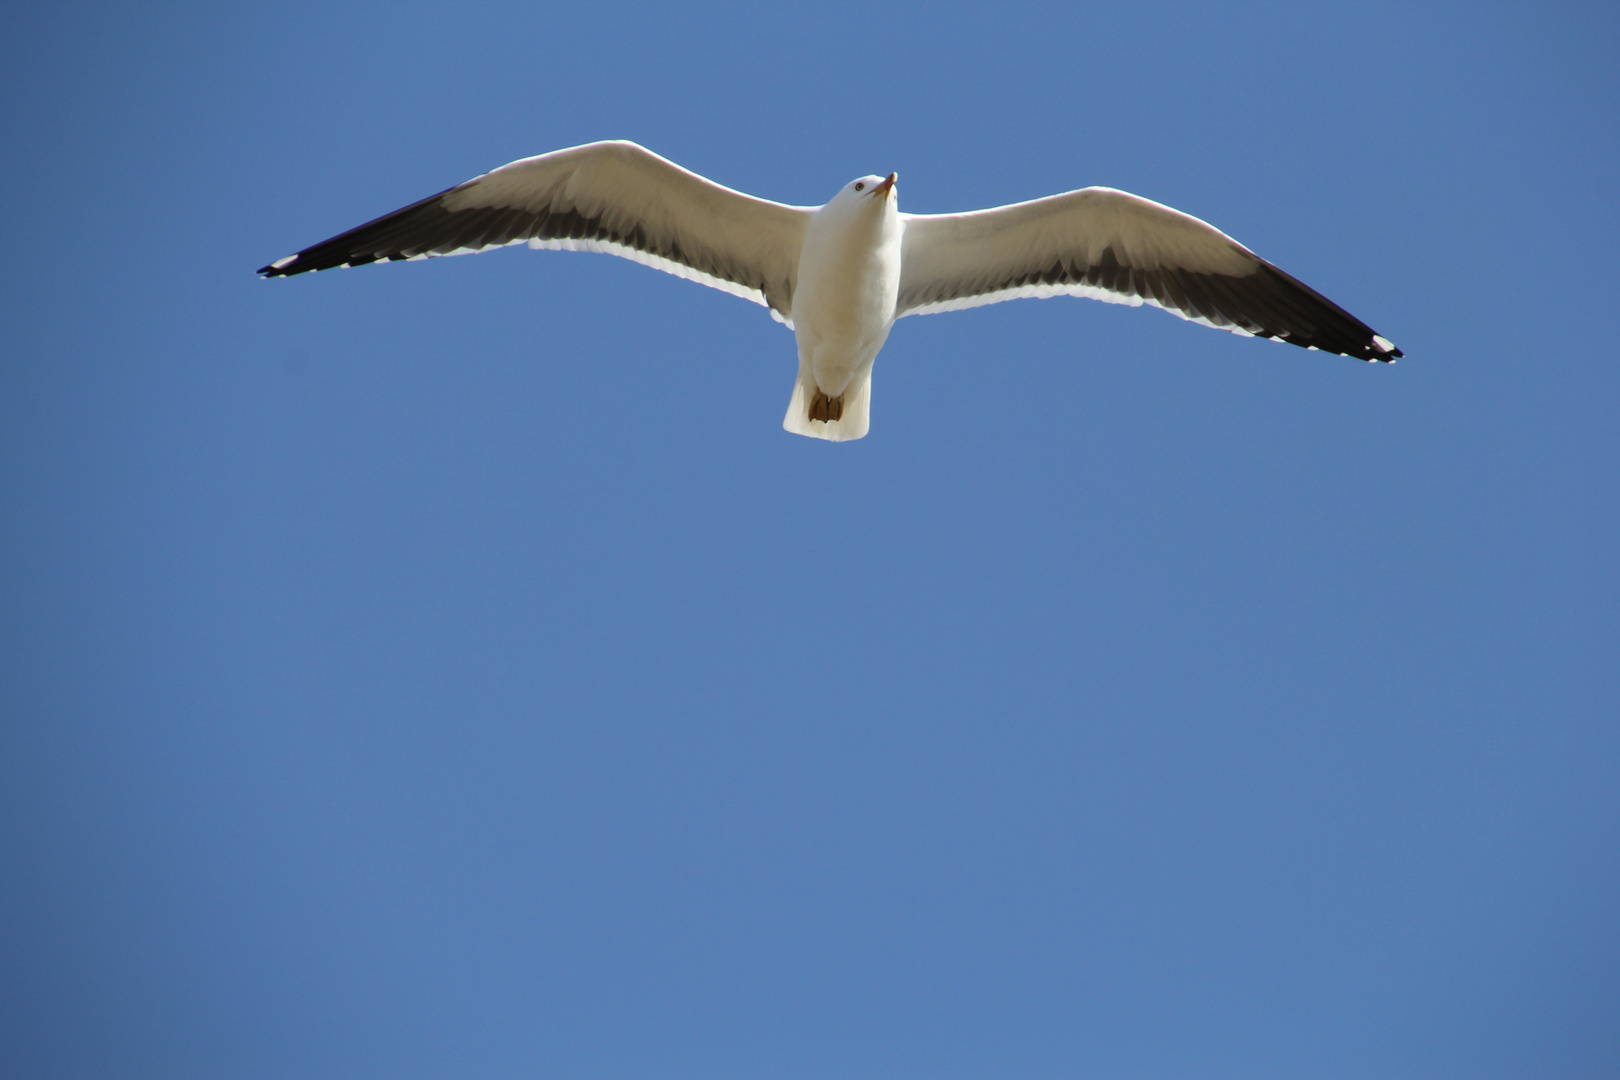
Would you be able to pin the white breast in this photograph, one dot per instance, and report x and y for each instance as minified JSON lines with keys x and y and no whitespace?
{"x":848,"y":281}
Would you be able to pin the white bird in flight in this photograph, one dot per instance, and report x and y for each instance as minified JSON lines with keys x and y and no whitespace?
{"x":839,"y":275}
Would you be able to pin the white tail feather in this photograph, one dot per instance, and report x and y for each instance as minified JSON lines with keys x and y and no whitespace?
{"x":852,"y":424}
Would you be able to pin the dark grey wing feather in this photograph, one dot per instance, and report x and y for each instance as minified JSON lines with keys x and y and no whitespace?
{"x":1123,"y":249}
{"x":613,"y":197}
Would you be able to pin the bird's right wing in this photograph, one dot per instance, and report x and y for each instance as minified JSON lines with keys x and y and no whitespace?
{"x":613,"y":197}
{"x":1114,"y":246}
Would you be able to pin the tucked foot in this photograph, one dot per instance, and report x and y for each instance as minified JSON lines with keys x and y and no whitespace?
{"x":827,"y":409}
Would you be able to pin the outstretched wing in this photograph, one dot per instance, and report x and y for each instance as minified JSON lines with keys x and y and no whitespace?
{"x":1113,"y":246}
{"x":613,"y":197}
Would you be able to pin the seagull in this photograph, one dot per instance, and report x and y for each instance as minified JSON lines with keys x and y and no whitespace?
{"x":839,"y":275}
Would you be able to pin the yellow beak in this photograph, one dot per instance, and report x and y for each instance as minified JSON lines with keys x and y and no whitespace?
{"x":887,"y":185}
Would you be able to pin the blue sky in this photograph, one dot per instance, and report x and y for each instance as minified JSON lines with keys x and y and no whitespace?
{"x":452,"y":669}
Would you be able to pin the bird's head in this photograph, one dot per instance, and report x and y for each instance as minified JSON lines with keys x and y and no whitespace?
{"x":871,"y":193}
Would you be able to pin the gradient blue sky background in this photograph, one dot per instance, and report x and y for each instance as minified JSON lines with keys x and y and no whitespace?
{"x":452,"y":669}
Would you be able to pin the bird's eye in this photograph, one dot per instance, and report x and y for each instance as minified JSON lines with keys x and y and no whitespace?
{"x":860,"y":187}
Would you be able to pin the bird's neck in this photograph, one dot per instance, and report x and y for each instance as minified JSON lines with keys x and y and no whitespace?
{"x":848,"y":232}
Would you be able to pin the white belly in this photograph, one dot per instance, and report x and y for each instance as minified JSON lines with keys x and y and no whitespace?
{"x":844,"y":304}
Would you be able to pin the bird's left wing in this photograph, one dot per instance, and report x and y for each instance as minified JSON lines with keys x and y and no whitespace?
{"x":1114,"y":246}
{"x":613,"y":197}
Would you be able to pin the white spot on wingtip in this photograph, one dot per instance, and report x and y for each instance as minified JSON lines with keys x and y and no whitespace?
{"x":280,"y":263}
{"x":1384,"y":343}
